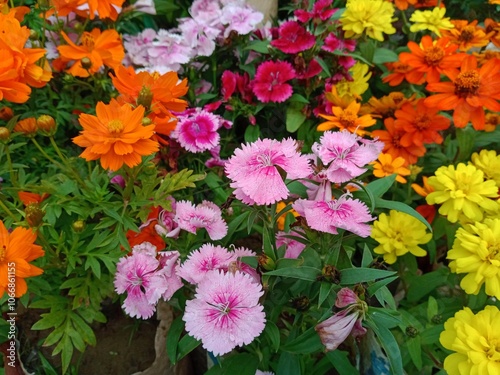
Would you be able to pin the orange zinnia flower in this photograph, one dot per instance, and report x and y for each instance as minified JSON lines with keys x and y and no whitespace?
{"x":400,"y":72}
{"x":387,"y":166}
{"x":347,"y":119}
{"x":467,"y":35}
{"x":421,"y":124}
{"x":392,"y":143}
{"x":116,"y":135}
{"x":17,"y":249}
{"x":468,"y":92}
{"x":492,"y":28}
{"x":387,"y":105}
{"x":431,"y":59}
{"x":99,"y":48}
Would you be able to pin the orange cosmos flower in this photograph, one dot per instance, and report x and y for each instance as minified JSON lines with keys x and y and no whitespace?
{"x":347,"y":119}
{"x":28,"y":198}
{"x":17,"y":249}
{"x":387,"y":105}
{"x":492,"y":120}
{"x":63,"y":7}
{"x":432,"y":58}
{"x":99,"y":48}
{"x":116,"y":135}
{"x":468,"y":92}
{"x":387,"y":166}
{"x":400,"y":72}
{"x":392,"y":143}
{"x":467,"y":35}
{"x":103,"y":8}
{"x":421,"y":124}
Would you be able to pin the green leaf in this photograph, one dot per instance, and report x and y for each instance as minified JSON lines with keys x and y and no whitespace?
{"x":241,"y":364}
{"x":324,"y":291}
{"x":303,"y":273}
{"x":372,"y":289}
{"x":390,"y":345}
{"x":294,"y":119}
{"x":298,"y":98}
{"x":422,"y":285}
{"x":339,"y":360}
{"x":381,"y":185}
{"x":288,"y":364}
{"x":384,"y":55}
{"x":414,"y":346}
{"x":273,"y":333}
{"x":432,"y":308}
{"x":173,"y":336}
{"x":352,"y":276}
{"x":308,"y":342}
{"x":400,"y":206}
{"x":324,"y":65}
{"x":261,"y":46}
{"x":252,"y":133}
{"x":367,"y":257}
{"x":186,"y":345}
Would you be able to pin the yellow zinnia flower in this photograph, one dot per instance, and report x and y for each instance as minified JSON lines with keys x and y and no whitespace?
{"x":372,"y":17}
{"x":474,"y":340}
{"x":397,"y":234}
{"x":432,"y":20}
{"x":475,"y":252}
{"x":462,"y":191}
{"x":489,"y":162}
{"x":354,"y":89}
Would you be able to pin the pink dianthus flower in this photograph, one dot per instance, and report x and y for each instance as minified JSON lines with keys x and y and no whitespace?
{"x":293,"y":38}
{"x":254,"y":171}
{"x":225,"y":312}
{"x":269,"y":84}
{"x":243,"y":20}
{"x":205,"y":259}
{"x":345,"y":213}
{"x":205,"y":215}
{"x":197,"y":131}
{"x":346,"y":154}
{"x":319,"y":11}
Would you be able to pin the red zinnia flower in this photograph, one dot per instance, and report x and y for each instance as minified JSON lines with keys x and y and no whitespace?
{"x":269,"y":84}
{"x":293,"y":38}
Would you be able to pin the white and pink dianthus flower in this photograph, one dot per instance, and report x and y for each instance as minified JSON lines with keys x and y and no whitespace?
{"x":225,"y":312}
{"x":204,"y":215}
{"x":254,"y":171}
{"x":242,"y":20}
{"x":345,"y":154}
{"x":344,"y":212}
{"x":205,"y":259}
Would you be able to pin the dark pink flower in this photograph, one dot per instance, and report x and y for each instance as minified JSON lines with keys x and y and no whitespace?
{"x":319,"y":11}
{"x":334,"y":44}
{"x":293,"y":38}
{"x":197,"y":132}
{"x":309,"y":70}
{"x":269,"y":84}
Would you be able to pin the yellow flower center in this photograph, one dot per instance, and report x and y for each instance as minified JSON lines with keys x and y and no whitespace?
{"x":88,"y":41}
{"x":493,"y":352}
{"x":467,"y":84}
{"x":3,"y":253}
{"x":388,"y":168}
{"x":433,"y":55}
{"x":494,"y":251}
{"x":115,"y":126}
{"x":348,"y":119}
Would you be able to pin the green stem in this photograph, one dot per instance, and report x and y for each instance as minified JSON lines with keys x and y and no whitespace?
{"x":12,"y":173}
{"x":65,"y":161}
{"x":42,"y":151}
{"x":7,"y":211}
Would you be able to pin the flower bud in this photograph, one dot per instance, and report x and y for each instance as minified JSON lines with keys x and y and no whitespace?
{"x":4,"y":134}
{"x":411,"y":331}
{"x":34,"y":215}
{"x":331,"y":273}
{"x":27,"y":126}
{"x":146,"y":121}
{"x":266,"y":263}
{"x":86,"y":63}
{"x":46,"y":124}
{"x":145,"y":98}
{"x":301,"y":303}
{"x":78,"y":226}
{"x":33,"y":35}
{"x":6,"y":113}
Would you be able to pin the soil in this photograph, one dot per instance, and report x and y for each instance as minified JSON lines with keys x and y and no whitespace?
{"x":124,"y":345}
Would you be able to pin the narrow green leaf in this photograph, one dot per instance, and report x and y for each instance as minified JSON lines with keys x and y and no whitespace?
{"x":414,"y":346}
{"x":339,"y":360}
{"x":303,"y":273}
{"x":384,"y":55}
{"x":400,"y":206}
{"x":241,"y":364}
{"x":186,"y":345}
{"x":273,"y":333}
{"x":324,"y":291}
{"x":352,"y":276}
{"x":390,"y":345}
{"x":381,"y":185}
{"x":308,"y":342}
{"x":288,"y":364}
{"x":173,"y":336}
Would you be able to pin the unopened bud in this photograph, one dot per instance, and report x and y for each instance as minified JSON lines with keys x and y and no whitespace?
{"x":411,"y":331}
{"x":86,"y":63}
{"x":4,"y":134}
{"x":27,"y":126}
{"x":145,"y":98}
{"x":34,"y":214}
{"x":33,"y":35}
{"x":6,"y":113}
{"x":46,"y":124}
{"x":146,"y":121}
{"x":266,"y":263}
{"x":78,"y":226}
